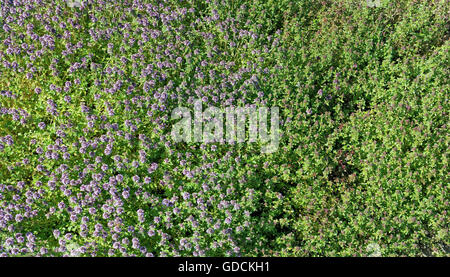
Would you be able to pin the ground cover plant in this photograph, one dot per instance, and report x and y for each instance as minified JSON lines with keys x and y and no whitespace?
{"x":88,"y":166}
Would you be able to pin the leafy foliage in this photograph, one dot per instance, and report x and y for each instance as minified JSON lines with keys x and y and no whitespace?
{"x":88,"y":167}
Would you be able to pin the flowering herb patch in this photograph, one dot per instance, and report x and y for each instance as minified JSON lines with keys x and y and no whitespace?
{"x":322,"y":128}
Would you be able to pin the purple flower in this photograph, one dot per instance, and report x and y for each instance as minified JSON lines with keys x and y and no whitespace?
{"x":19,"y":217}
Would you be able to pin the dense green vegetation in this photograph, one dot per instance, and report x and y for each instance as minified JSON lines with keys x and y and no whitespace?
{"x":88,"y":167}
